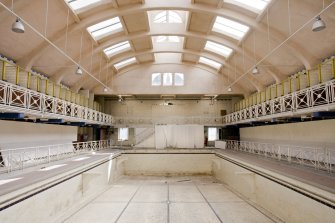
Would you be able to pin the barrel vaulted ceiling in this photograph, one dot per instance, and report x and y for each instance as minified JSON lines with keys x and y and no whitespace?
{"x":110,"y":38}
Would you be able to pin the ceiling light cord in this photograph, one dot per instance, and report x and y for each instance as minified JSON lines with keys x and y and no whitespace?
{"x":81,"y":46}
{"x":46,"y":18}
{"x":289,"y":17}
{"x":282,"y":43}
{"x":67,"y":28}
{"x":51,"y":43}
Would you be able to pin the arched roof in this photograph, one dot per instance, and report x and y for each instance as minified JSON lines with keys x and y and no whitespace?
{"x":277,"y":33}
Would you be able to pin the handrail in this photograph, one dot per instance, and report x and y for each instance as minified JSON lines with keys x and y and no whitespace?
{"x":180,"y":120}
{"x":303,"y":101}
{"x":20,"y":99}
{"x":319,"y":158}
{"x":20,"y":158}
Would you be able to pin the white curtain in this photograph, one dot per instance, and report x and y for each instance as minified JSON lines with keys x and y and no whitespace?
{"x":179,"y":136}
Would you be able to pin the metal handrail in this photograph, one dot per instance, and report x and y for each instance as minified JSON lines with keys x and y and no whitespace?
{"x":20,"y":158}
{"x":319,"y":158}
{"x":305,"y":100}
{"x":19,"y":99}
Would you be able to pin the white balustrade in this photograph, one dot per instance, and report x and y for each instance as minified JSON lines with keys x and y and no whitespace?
{"x":303,"y":101}
{"x":14,"y":98}
{"x":319,"y":158}
{"x":20,"y":158}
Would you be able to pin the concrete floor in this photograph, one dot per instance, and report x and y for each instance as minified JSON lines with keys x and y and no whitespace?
{"x":168,"y":199}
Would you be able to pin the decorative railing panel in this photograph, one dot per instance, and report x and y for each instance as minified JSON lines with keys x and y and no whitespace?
{"x":20,"y":158}
{"x":319,"y":158}
{"x":303,"y":100}
{"x":14,"y":98}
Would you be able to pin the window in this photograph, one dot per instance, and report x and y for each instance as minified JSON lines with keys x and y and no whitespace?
{"x":124,"y":63}
{"x":170,"y":39}
{"x":230,"y":28}
{"x":156,"y":79}
{"x":117,"y":48}
{"x":209,"y":62}
{"x":105,"y":28}
{"x":212,"y":134}
{"x":179,"y":79}
{"x":255,"y":5}
{"x":167,"y":79}
{"x":218,"y":48}
{"x":79,"y":4}
{"x":123,"y":134}
{"x":167,"y":17}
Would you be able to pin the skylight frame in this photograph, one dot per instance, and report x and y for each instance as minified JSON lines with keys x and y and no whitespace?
{"x":230,"y":28}
{"x":210,"y":63}
{"x":118,"y":48}
{"x":78,"y":5}
{"x":126,"y":62}
{"x":167,"y":16}
{"x":168,"y":39}
{"x":256,"y":6}
{"x":105,"y":28}
{"x":218,"y":49}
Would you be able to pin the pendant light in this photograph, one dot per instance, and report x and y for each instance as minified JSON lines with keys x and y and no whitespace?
{"x":79,"y":71}
{"x":255,"y":70}
{"x":18,"y":26}
{"x":318,"y":24}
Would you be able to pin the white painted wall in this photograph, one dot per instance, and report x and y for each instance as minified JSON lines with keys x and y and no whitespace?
{"x":63,"y":200}
{"x":168,"y":164}
{"x":281,"y":201}
{"x":15,"y":134}
{"x":313,"y":133}
{"x":198,"y":80}
{"x":155,"y":108}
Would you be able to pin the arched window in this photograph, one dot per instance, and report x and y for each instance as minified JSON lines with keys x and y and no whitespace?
{"x":167,"y":17}
{"x":156,"y":79}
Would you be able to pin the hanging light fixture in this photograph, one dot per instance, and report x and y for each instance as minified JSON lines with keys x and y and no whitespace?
{"x":229,"y":89}
{"x":255,"y":70}
{"x":79,"y":71}
{"x":318,"y":24}
{"x":18,"y":26}
{"x":105,"y":89}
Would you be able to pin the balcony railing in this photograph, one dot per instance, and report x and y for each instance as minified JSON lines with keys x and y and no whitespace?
{"x":14,"y":98}
{"x":311,"y":99}
{"x":319,"y":158}
{"x":20,"y":158}
{"x":178,"y":120}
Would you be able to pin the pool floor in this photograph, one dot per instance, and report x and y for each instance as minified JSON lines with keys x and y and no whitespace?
{"x":187,"y":199}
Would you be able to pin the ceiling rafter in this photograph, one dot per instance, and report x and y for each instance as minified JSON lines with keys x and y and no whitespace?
{"x":183,"y":5}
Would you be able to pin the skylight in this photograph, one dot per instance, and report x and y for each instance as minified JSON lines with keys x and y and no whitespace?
{"x":209,"y":62}
{"x":255,"y":5}
{"x":105,"y":28}
{"x":125,"y":62}
{"x":79,"y":4}
{"x":170,"y":39}
{"x":167,"y":17}
{"x":218,"y":48}
{"x":230,"y":28}
{"x":117,"y":48}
